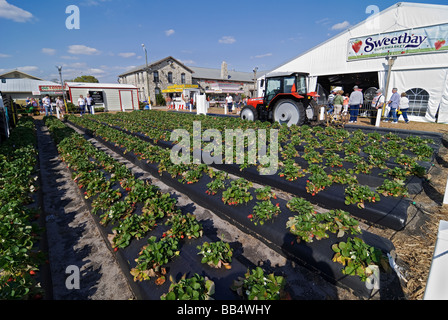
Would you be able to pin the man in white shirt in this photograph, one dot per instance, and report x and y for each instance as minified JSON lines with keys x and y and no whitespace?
{"x":229,"y":101}
{"x":89,"y":102}
{"x":47,"y":105}
{"x":81,"y":105}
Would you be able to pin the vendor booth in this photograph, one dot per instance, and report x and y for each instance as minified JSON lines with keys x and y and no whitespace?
{"x":110,"y":96}
{"x":182,"y":97}
{"x":403,"y":47}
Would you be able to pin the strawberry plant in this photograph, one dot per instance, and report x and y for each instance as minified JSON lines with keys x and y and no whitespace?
{"x":255,"y":285}
{"x":343,"y":177}
{"x":218,"y":183}
{"x":238,"y":193}
{"x":300,"y":205}
{"x":309,"y":224}
{"x":153,"y":257}
{"x":356,"y":256}
{"x":317,"y":181}
{"x":194,"y":288}
{"x":395,"y":188}
{"x":184,"y":226}
{"x":118,"y":210}
{"x":311,"y":155}
{"x":289,"y":152}
{"x":105,"y":199}
{"x":216,"y":254}
{"x":290,"y":170}
{"x":358,"y":194}
{"x":397,"y":173}
{"x":265,"y":193}
{"x":191,"y":176}
{"x":132,"y":227}
{"x":263,"y":211}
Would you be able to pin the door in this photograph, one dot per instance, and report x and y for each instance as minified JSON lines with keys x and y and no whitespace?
{"x":126,"y":100}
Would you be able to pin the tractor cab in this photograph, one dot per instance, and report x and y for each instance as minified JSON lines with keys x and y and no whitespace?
{"x":285,"y":100}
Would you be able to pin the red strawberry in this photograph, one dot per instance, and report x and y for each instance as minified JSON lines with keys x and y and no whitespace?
{"x":250,"y":216}
{"x":356,"y":46}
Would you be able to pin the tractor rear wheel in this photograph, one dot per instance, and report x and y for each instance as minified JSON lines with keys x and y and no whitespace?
{"x":289,"y":112}
{"x":249,"y":113}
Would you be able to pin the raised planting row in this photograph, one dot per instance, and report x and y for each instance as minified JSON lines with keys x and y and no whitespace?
{"x":20,"y":256}
{"x":152,"y":238}
{"x":373,"y":176}
{"x":289,"y":227}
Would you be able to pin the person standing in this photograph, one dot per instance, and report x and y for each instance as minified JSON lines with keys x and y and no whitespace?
{"x":338,"y":102}
{"x":46,"y":101}
{"x":403,"y":107}
{"x":81,"y":105}
{"x":377,"y":103}
{"x":60,"y":106}
{"x":356,"y":101}
{"x":330,"y":102}
{"x":89,"y":103}
{"x":393,"y":103}
{"x":229,"y":101}
{"x":237,"y":103}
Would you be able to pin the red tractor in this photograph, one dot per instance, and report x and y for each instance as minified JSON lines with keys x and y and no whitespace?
{"x":285,"y":100}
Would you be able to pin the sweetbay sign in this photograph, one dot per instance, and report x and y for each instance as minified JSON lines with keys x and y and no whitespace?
{"x":411,"y":41}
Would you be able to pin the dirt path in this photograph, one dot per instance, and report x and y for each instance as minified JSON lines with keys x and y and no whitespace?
{"x":73,"y":239}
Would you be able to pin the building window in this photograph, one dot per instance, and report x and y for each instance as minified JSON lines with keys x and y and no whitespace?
{"x":156,"y":76}
{"x":418,"y":102}
{"x":182,"y":78}
{"x":170,"y":77}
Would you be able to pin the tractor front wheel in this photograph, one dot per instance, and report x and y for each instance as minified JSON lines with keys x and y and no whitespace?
{"x":289,"y":112}
{"x":249,"y":113}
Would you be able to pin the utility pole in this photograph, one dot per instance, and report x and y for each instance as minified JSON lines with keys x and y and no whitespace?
{"x":62,"y":85}
{"x":255,"y":83}
{"x":147,"y":75}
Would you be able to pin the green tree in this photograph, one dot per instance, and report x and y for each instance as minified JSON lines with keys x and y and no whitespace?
{"x":89,"y":79}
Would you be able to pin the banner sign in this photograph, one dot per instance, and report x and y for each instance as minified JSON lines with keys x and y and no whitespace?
{"x":54,"y":90}
{"x":411,"y":41}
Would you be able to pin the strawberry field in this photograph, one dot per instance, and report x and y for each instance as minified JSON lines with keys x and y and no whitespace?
{"x":332,"y":189}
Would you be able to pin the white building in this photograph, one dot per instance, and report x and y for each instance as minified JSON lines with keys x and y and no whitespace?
{"x":111,"y":96}
{"x":409,"y":38}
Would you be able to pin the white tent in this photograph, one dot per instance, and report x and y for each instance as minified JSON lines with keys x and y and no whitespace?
{"x":416,"y":34}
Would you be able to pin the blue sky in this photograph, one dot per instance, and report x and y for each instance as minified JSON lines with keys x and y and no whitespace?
{"x":244,"y":33}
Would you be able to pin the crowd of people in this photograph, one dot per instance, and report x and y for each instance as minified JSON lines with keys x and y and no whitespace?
{"x":340,"y":104}
{"x":48,"y":107}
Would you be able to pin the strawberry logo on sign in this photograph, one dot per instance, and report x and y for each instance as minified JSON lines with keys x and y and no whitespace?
{"x":439,"y":44}
{"x":356,"y":46}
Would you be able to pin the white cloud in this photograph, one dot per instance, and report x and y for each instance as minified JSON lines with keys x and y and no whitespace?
{"x":2,"y":55}
{"x":169,"y":32}
{"x":82,"y":49}
{"x":341,"y":26}
{"x":27,"y":69}
{"x":48,"y":51}
{"x":9,"y":11}
{"x":263,"y":55}
{"x":323,"y":21}
{"x":126,"y":54}
{"x":189,"y":62}
{"x":227,"y":40}
{"x":90,"y":3}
